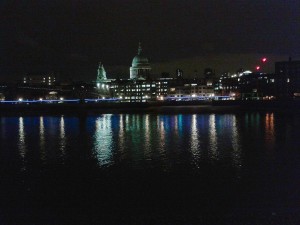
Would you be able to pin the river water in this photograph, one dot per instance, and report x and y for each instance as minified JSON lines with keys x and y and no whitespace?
{"x":150,"y":169}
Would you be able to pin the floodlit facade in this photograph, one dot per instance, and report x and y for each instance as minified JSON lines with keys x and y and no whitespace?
{"x":140,"y":68}
{"x":141,"y":87}
{"x":192,"y":89}
{"x":101,"y":73}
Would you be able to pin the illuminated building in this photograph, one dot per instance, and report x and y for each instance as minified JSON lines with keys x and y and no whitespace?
{"x":258,"y":86}
{"x":2,"y":97}
{"x":228,"y":85}
{"x":140,"y":68}
{"x":47,"y":79}
{"x":192,"y":89}
{"x":138,"y":88}
{"x":288,"y":74}
{"x":133,"y":90}
{"x":141,"y":87}
{"x":101,"y":73}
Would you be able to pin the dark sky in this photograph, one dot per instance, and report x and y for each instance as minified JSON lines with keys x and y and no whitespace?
{"x":70,"y":37}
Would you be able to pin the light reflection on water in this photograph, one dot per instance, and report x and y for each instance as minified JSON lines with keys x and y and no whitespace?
{"x":159,"y":140}
{"x":103,"y":140}
{"x":195,"y":142}
{"x":42,"y":139}
{"x":62,"y":136}
{"x":213,"y":140}
{"x":134,"y":163}
{"x":235,"y":140}
{"x":22,"y":142}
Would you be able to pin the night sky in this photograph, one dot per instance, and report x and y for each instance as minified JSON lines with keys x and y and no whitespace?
{"x":71,"y":37}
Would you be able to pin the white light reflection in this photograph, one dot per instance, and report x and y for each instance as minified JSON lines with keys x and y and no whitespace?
{"x":22,"y":143}
{"x":103,"y":140}
{"x":161,"y":133}
{"x":42,"y":139}
{"x":175,"y":125}
{"x":213,"y":145}
{"x":161,"y":137}
{"x":195,"y":143}
{"x":121,"y":134}
{"x":147,"y":138}
{"x":236,"y":154}
{"x":62,"y":136}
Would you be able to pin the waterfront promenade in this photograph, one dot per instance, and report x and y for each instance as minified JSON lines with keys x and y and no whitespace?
{"x":75,"y":107}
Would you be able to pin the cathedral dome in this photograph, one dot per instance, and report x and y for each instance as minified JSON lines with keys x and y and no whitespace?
{"x":140,"y":59}
{"x":140,"y":68}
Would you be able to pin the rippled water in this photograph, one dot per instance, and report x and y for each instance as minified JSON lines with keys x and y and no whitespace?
{"x":136,"y":168}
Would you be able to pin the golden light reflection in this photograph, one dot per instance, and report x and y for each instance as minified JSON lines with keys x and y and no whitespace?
{"x":213,"y":142}
{"x":269,"y":129}
{"x":103,"y":140}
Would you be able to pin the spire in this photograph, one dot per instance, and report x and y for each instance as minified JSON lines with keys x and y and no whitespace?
{"x":101,"y":73}
{"x":140,"y":48}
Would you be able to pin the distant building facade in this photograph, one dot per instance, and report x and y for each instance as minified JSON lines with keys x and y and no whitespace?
{"x":46,"y":79}
{"x":288,"y":75}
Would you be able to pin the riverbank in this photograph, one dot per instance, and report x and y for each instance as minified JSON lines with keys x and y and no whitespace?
{"x":150,"y":107}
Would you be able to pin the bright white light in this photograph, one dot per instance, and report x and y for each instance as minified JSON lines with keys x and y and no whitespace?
{"x":20,"y":99}
{"x":193,"y":95}
{"x":41,"y":99}
{"x":247,"y":72}
{"x":103,"y":97}
{"x":61,"y":98}
{"x":98,"y":85}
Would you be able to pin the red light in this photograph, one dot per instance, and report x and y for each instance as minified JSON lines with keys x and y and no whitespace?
{"x":258,"y":68}
{"x":264,"y":59}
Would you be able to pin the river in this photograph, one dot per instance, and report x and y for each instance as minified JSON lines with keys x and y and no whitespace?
{"x":207,"y":168}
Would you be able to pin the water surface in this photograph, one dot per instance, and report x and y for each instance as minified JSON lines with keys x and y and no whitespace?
{"x":149,"y":168}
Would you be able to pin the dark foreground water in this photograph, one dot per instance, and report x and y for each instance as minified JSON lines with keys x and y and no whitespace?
{"x":150,"y":169}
